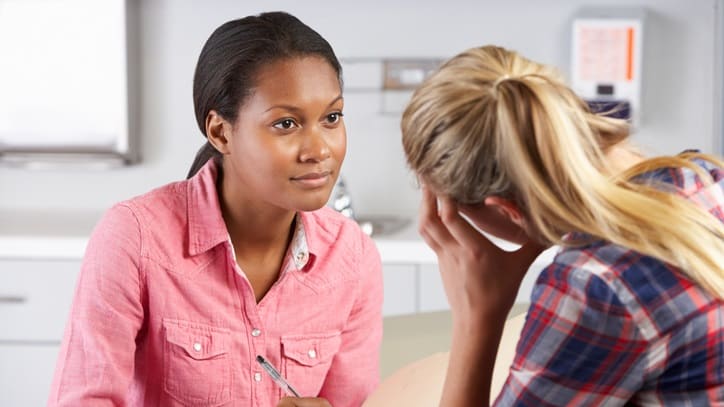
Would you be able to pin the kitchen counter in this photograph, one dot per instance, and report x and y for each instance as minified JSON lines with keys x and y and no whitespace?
{"x":64,"y":235}
{"x":45,"y":235}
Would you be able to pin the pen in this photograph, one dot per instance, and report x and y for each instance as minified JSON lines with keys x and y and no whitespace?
{"x":276,"y":376}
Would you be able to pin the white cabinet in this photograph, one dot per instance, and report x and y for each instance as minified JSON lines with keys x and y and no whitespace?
{"x":26,"y":371}
{"x":400,"y":282}
{"x":432,"y":292}
{"x":35,"y":298}
{"x":412,"y":287}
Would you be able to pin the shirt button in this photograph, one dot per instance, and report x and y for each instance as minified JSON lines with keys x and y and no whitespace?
{"x":312,"y":353}
{"x":197,"y":347}
{"x":255,"y":332}
{"x":257,"y":377}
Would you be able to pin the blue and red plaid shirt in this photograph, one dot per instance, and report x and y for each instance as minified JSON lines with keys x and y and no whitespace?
{"x":611,"y":326}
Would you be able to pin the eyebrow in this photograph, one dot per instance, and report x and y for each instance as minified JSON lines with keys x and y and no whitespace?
{"x":296,"y":109}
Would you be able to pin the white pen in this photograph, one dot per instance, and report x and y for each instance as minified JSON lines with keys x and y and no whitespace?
{"x":277,"y":377}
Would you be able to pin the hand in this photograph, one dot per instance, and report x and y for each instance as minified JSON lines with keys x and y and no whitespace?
{"x":480,"y":279}
{"x":303,"y":402}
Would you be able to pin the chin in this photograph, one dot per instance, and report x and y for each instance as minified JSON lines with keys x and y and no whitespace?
{"x":308,"y":205}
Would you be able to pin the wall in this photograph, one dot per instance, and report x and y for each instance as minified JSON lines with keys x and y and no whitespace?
{"x":679,"y":102}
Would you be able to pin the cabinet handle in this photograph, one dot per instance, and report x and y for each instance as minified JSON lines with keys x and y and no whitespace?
{"x":12,"y":299}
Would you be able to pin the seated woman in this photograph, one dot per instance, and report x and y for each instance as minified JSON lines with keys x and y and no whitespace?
{"x":631,"y":310}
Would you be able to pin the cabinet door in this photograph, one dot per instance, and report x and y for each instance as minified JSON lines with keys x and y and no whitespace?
{"x":432,"y":293}
{"x":26,"y":372}
{"x":35,"y":299}
{"x":400,"y":283}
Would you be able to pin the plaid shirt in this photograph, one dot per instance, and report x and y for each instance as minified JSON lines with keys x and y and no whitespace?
{"x":610,"y":326}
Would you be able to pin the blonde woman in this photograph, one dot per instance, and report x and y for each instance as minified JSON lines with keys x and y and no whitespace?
{"x":631,"y":310}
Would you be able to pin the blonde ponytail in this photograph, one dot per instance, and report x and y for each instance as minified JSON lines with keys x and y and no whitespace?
{"x":490,"y":122}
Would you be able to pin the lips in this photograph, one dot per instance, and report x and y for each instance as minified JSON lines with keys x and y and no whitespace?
{"x":313,"y":179}
{"x":312,"y":176}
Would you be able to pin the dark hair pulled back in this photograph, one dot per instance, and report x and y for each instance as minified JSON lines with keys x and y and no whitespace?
{"x":233,"y":55}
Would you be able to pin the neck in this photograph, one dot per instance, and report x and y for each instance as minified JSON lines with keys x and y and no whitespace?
{"x":256,"y":230}
{"x":255,"y":227}
{"x":622,"y":156}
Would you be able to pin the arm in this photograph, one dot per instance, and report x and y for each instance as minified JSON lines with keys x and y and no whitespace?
{"x":354,"y":373}
{"x":579,"y":346}
{"x":481,"y":282}
{"x":96,"y":360}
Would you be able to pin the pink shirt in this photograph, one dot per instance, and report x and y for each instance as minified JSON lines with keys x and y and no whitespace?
{"x":164,"y":316}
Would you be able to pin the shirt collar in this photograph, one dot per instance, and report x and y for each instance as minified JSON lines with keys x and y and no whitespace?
{"x":206,"y":227}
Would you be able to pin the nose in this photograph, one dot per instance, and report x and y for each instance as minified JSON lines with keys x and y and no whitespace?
{"x":314,"y":147}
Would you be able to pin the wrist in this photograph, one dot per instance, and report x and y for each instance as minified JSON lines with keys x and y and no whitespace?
{"x":483,"y":319}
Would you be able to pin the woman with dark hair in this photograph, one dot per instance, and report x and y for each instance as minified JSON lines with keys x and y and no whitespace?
{"x":182,"y":288}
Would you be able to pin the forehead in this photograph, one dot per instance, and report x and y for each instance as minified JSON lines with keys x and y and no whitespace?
{"x":301,"y":79}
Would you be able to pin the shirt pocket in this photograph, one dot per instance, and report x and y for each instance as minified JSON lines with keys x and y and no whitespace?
{"x":307,"y":359}
{"x":197,"y":364}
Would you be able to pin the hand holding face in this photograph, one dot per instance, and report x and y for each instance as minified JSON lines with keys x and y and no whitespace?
{"x":481,"y":280}
{"x":303,"y":402}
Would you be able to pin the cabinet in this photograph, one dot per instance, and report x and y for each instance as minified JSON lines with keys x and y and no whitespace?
{"x":35,"y":299}
{"x":26,"y":371}
{"x":432,"y":292}
{"x":414,"y":287}
{"x":411,"y":288}
{"x":400,"y":282}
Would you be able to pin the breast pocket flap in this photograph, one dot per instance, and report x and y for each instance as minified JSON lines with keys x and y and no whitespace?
{"x":311,"y":350}
{"x":199,"y":344}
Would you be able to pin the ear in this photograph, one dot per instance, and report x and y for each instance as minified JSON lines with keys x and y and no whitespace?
{"x":507,"y":208}
{"x":218,"y":131}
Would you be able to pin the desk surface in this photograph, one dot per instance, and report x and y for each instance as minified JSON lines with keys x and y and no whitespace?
{"x":419,"y":381}
{"x":409,"y":338}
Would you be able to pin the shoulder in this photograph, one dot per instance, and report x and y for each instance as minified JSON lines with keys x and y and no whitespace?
{"x":701,"y":183}
{"x":142,"y":221}
{"x":160,"y":210}
{"x":167,"y":198}
{"x":327,"y":227}
{"x":336,"y":239}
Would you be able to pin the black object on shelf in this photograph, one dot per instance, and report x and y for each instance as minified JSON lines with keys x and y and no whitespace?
{"x":618,"y":109}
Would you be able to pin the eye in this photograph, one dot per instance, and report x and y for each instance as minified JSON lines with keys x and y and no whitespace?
{"x":334,"y":117}
{"x":285,"y":124}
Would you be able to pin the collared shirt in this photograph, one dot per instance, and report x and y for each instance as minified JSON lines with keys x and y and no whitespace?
{"x":164,"y":316}
{"x":611,"y":326}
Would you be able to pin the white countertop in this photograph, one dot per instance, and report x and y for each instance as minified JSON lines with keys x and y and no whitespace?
{"x":45,"y":235}
{"x":64,"y":235}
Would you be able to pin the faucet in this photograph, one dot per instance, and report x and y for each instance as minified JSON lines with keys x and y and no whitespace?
{"x":341,"y":200}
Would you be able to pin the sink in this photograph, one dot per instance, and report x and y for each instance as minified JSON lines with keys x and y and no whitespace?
{"x":382,"y":225}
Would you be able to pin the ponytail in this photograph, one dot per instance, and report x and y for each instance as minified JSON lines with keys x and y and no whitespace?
{"x":566,"y":182}
{"x":205,"y":153}
{"x":490,"y":122}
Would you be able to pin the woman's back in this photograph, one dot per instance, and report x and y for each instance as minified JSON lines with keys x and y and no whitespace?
{"x":624,"y":326}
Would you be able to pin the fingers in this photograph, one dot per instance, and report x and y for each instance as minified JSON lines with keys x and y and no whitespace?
{"x":460,"y":229}
{"x":303,"y":402}
{"x":430,"y":226}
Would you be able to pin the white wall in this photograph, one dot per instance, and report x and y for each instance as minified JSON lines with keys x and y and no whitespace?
{"x":679,"y":102}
